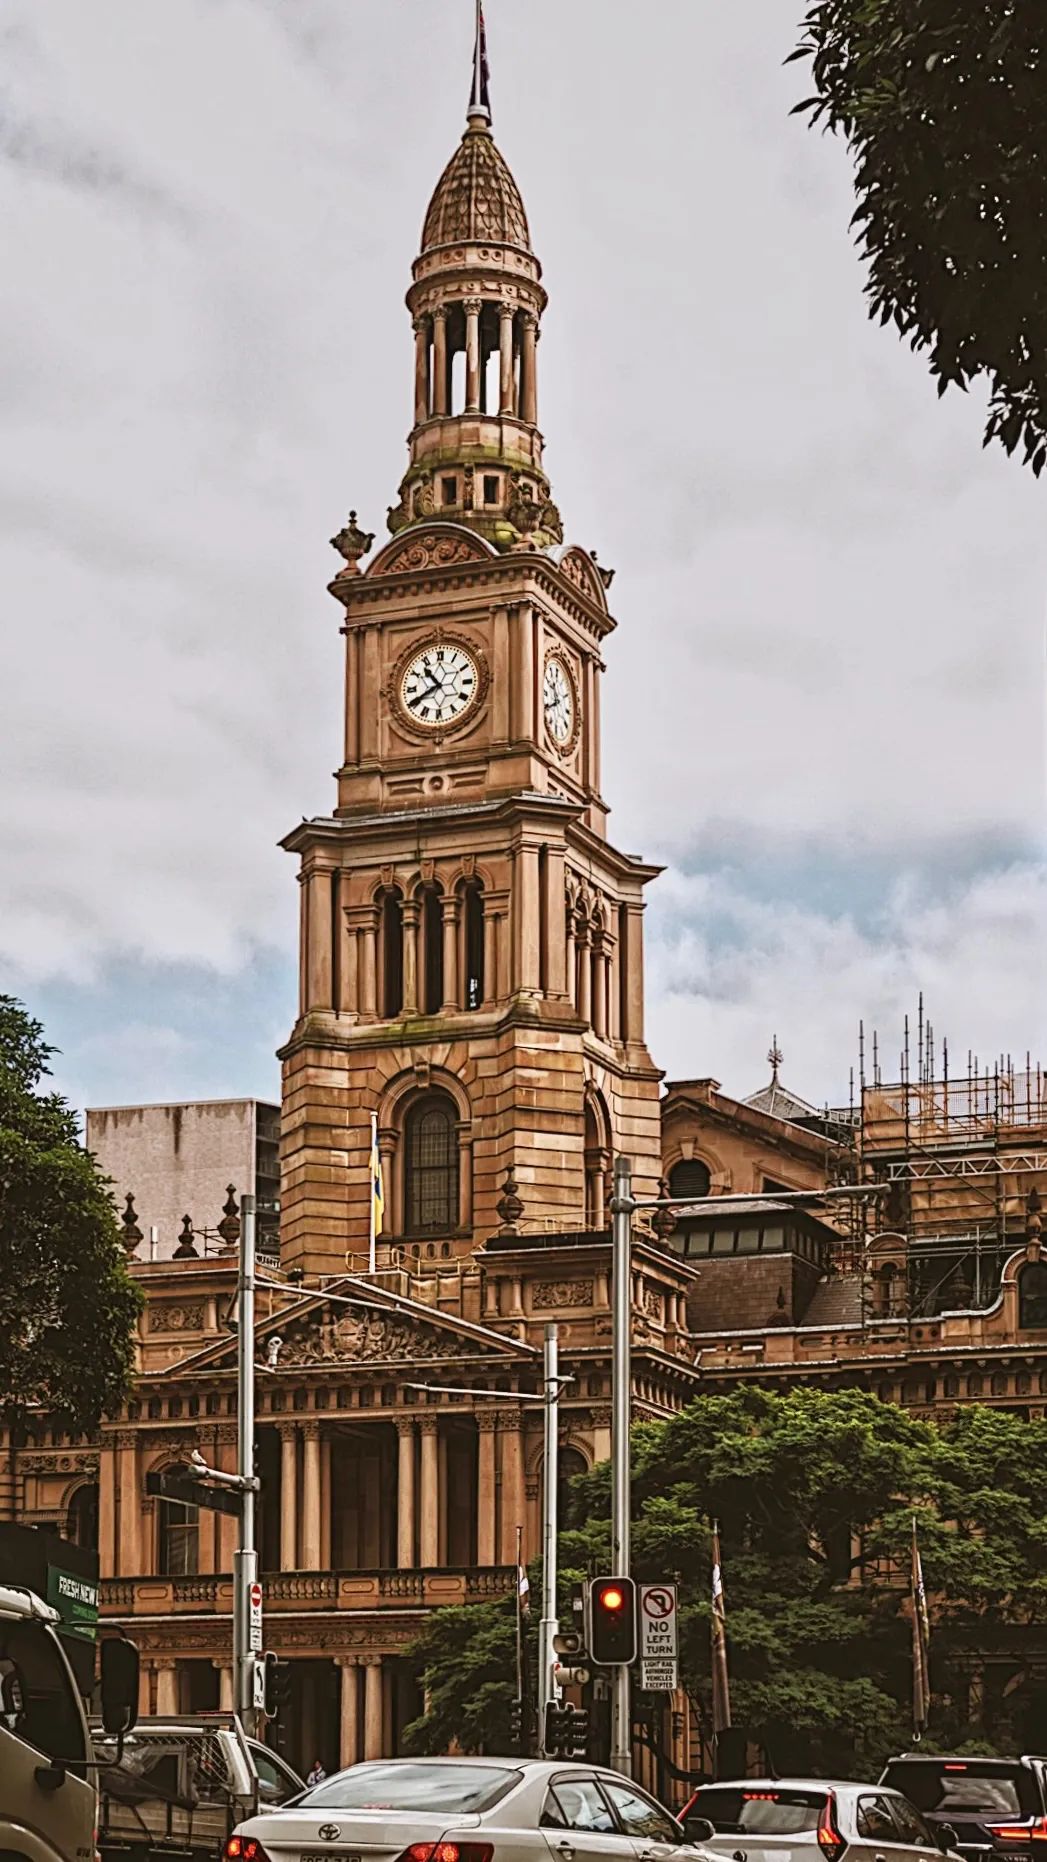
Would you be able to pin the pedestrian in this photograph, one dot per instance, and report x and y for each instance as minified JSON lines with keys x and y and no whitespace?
{"x":317,"y":1775}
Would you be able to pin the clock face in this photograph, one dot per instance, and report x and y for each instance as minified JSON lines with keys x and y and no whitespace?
{"x":558,"y":702}
{"x":439,"y":685}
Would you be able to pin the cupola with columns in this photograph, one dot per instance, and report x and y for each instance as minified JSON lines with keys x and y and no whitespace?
{"x":476,"y":303}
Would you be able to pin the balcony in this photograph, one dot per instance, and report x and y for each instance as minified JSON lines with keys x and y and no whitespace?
{"x":295,"y":1592}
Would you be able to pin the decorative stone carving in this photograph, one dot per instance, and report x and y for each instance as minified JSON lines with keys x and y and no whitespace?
{"x":229,"y":1226}
{"x":168,"y":1318}
{"x":586,"y":576}
{"x":652,"y":1303}
{"x":509,"y":1205}
{"x":186,"y":1249}
{"x":367,"y":1338}
{"x":432,"y":551}
{"x":58,"y":1464}
{"x":553,"y":1295}
{"x":352,"y":543}
{"x":132,"y":1233}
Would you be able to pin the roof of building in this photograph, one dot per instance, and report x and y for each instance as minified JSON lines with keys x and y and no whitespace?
{"x":835,"y":1301}
{"x":476,"y":198}
{"x":775,"y":1099}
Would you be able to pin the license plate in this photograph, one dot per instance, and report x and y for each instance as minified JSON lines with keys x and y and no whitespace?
{"x":328,"y":1855}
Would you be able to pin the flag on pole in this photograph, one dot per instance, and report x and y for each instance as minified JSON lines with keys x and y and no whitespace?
{"x":523,"y":1590}
{"x":721,"y":1685}
{"x":921,"y":1643}
{"x":480,"y":99}
{"x":377,"y":1193}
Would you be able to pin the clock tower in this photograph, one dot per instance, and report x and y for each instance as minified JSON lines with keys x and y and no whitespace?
{"x":471,"y":953}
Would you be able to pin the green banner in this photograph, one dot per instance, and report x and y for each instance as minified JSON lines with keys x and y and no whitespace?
{"x":76,"y":1600}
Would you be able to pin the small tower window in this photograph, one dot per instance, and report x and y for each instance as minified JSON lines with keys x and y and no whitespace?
{"x":391,"y":982}
{"x":491,"y":490}
{"x":432,"y":950}
{"x":474,"y":945}
{"x":449,"y":488}
{"x":431,"y":1166}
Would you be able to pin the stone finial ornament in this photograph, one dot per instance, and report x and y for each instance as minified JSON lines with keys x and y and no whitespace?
{"x":186,"y":1249}
{"x":229,"y":1226}
{"x":352,"y":543}
{"x":663,"y":1221}
{"x":509,"y":1205}
{"x":132,"y":1232}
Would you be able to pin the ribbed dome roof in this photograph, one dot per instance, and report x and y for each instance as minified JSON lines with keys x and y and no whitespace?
{"x":476,"y":198}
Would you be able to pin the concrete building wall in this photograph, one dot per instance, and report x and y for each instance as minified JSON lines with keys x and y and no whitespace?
{"x":177,"y":1160}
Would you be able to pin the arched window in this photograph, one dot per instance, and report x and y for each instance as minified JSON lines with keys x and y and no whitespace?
{"x":690,"y":1177}
{"x":391,"y":953}
{"x":81,"y":1524}
{"x":431,"y":1166}
{"x":432,"y":919}
{"x":597,"y":1159}
{"x":1032,"y":1297}
{"x":473,"y":934}
{"x":179,"y":1546}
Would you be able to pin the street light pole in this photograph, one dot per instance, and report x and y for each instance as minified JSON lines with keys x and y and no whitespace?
{"x":622,"y":1206}
{"x":549,"y":1627}
{"x":245,"y":1563}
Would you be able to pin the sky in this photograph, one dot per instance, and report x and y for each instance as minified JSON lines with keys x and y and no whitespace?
{"x":823,"y":708}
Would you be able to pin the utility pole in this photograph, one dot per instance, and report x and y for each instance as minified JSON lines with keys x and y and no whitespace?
{"x":622,"y":1206}
{"x":247,"y":1618}
{"x":549,"y":1628}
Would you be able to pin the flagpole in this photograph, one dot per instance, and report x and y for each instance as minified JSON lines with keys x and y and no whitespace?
{"x":721,"y":1714}
{"x":519,"y":1622}
{"x":372,"y":1250}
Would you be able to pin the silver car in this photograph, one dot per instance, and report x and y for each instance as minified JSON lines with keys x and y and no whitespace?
{"x":467,"y":1810}
{"x":812,"y":1820}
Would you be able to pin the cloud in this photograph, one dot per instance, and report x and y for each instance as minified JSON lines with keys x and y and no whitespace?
{"x":829,"y":658}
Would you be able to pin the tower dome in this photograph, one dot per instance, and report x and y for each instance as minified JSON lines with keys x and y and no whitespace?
{"x":476,"y":199}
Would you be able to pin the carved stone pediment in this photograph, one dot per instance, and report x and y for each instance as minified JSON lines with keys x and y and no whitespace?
{"x":438,"y":546}
{"x":369,"y":1338}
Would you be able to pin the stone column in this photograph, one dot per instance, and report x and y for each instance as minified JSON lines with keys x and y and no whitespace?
{"x":167,"y":1688}
{"x":570,"y":958}
{"x":473,"y":307}
{"x":429,"y":1497}
{"x":440,"y":359}
{"x":631,"y":960}
{"x":421,"y":370}
{"x":129,"y":1503}
{"x":410,"y":911}
{"x":585,"y":977}
{"x":599,"y":991}
{"x":288,"y":1497}
{"x":349,"y":1739}
{"x":107,"y":1548}
{"x":513,"y":1500}
{"x":553,"y":925}
{"x":373,"y":1707}
{"x":452,"y":985}
{"x":369,"y":965}
{"x":490,"y":954}
{"x":405,"y":1496}
{"x":311,"y":1497}
{"x":319,"y":942}
{"x":226,"y":1697}
{"x":528,"y":925}
{"x":349,"y":968}
{"x":529,"y":370}
{"x":326,"y":1507}
{"x":505,"y":374}
{"x":485,"y":1487}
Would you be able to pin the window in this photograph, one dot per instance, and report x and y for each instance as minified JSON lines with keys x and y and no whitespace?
{"x":438,"y":1789}
{"x":578,"y":1804}
{"x":690,"y":1177}
{"x":874,"y":1819}
{"x":638,"y":1816}
{"x":275,"y":1783}
{"x":391,"y":985}
{"x":490,"y":490}
{"x":431,"y":1166}
{"x":432,"y":951}
{"x":449,"y":490}
{"x":38,"y":1701}
{"x":734,"y":1811}
{"x":1032,"y":1297}
{"x":82,"y":1519}
{"x":474,"y":945}
{"x":179,"y":1539}
{"x":911,"y":1826}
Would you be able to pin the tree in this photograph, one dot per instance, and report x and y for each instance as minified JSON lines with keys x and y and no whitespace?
{"x":68,"y":1306}
{"x":819,"y":1638}
{"x":944,"y":105}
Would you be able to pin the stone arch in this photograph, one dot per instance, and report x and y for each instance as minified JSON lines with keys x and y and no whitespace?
{"x":597,"y":1141}
{"x":177,"y":1546}
{"x":404,"y":1091}
{"x":1032,"y":1297}
{"x":80,"y":1504}
{"x":433,"y":545}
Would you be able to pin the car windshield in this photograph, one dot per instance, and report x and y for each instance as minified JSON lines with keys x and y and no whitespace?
{"x":774,"y":1812}
{"x":948,"y":1786}
{"x":455,"y":1788}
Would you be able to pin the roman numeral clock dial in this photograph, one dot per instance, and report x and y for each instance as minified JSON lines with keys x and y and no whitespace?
{"x":440,"y":684}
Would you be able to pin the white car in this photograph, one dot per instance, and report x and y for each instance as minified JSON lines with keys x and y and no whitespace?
{"x":812,"y":1820}
{"x":467,"y":1810}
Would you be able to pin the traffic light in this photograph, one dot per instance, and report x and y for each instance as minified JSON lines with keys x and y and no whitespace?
{"x":277,"y":1684}
{"x":612,"y":1621}
{"x":516,"y":1716}
{"x":566,"y":1730}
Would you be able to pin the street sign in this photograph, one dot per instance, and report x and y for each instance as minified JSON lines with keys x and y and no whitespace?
{"x":658,"y":1641}
{"x":76,"y":1600}
{"x":178,"y":1484}
{"x":254,"y":1619}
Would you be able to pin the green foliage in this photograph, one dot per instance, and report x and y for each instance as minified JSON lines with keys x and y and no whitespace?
{"x":944,"y":104}
{"x":819,"y":1648}
{"x":68,"y":1306}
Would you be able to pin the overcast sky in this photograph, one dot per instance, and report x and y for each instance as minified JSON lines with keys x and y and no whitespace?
{"x":824,"y":703}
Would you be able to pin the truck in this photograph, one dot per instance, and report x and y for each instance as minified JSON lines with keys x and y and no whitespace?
{"x":47,"y":1787}
{"x":179,"y":1785}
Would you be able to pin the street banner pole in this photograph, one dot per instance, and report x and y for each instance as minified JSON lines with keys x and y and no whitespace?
{"x":549,"y":1627}
{"x":622,"y":1206}
{"x":247,"y":1602}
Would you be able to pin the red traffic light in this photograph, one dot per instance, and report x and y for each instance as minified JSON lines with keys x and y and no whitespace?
{"x":610,"y":1598}
{"x":612,"y":1621}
